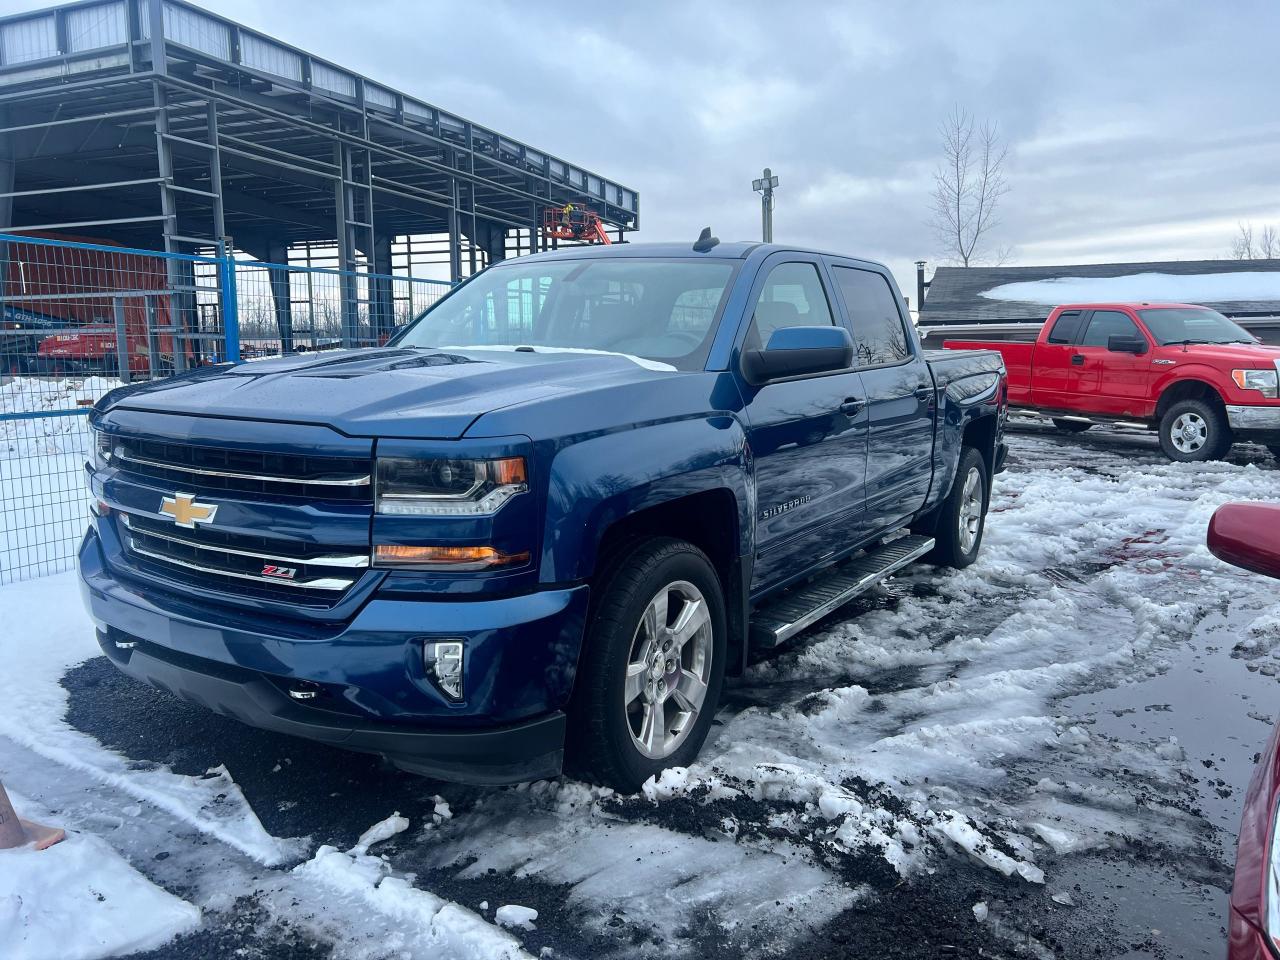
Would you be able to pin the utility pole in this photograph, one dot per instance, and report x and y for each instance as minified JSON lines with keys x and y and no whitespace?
{"x":764,"y":186}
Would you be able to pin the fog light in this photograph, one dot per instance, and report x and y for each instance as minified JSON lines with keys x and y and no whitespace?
{"x":443,"y":660}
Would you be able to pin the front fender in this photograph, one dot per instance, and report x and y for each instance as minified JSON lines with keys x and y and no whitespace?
{"x":598,"y":481}
{"x":1201,"y":372}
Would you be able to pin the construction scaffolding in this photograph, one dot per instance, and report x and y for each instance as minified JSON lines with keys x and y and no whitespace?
{"x":156,"y":124}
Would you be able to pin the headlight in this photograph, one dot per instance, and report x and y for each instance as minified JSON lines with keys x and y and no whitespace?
{"x":101,"y":448}
{"x":1264,"y":381}
{"x":447,"y":488}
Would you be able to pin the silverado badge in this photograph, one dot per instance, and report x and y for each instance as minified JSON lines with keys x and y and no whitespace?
{"x":186,"y":512}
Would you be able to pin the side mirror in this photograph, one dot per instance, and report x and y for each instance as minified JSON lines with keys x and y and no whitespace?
{"x":1123,"y":344}
{"x":1247,"y":535}
{"x":797,"y":351}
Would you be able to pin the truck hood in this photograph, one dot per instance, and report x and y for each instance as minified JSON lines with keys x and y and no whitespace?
{"x":389,"y":392}
{"x":1241,"y":354}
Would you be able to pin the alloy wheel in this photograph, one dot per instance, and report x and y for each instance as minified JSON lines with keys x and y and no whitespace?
{"x":668,"y":669}
{"x":970,"y":522}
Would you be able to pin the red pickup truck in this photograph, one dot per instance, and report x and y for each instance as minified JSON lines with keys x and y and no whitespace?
{"x":1198,"y":379}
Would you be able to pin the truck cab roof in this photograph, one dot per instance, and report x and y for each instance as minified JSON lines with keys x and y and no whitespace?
{"x":1127,"y":305}
{"x":724,"y":250}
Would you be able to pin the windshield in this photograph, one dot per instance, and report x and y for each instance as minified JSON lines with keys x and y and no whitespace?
{"x":660,"y":310}
{"x":1192,"y":324}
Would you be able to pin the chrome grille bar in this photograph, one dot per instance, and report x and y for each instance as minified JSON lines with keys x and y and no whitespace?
{"x":319,"y":583}
{"x":234,"y":475}
{"x":348,"y":561}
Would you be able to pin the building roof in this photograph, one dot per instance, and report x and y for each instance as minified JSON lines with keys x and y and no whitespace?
{"x":956,"y":293}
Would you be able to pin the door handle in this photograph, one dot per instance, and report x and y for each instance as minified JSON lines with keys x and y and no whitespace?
{"x":924,"y":393}
{"x":852,"y":405}
{"x":1077,"y":359}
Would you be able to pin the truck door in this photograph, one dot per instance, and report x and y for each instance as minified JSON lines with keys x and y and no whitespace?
{"x":1106,"y":381}
{"x":807,"y":434}
{"x":1051,"y":367}
{"x":901,"y":404}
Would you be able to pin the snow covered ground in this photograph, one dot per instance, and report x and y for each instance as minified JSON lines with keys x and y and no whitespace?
{"x":1043,"y":753}
{"x":42,"y":505}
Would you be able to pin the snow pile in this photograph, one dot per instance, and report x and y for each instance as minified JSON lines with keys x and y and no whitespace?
{"x":32,"y":704}
{"x":514,"y":915}
{"x":380,"y":831}
{"x":1144,"y":287}
{"x":42,"y":436}
{"x":79,"y":900}
{"x":411,"y":922}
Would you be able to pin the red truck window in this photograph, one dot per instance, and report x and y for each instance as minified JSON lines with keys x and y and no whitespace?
{"x":1105,"y":324}
{"x":1066,"y":328}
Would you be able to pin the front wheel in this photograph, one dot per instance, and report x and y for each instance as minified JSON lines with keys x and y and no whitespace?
{"x":649,"y":682}
{"x":963,"y":514}
{"x":1193,"y":431}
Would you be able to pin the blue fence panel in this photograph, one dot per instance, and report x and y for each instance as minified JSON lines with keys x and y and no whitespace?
{"x":78,"y":319}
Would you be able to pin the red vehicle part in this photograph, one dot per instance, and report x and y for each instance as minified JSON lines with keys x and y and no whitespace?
{"x":1102,"y":361}
{"x":80,"y":286}
{"x":1248,"y":535}
{"x":578,"y":224}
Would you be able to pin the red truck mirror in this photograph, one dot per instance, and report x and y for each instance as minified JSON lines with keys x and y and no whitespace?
{"x":1126,"y":344}
{"x":1247,"y":535}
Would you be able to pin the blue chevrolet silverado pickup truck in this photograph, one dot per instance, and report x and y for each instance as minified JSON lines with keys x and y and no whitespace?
{"x":537,"y":529}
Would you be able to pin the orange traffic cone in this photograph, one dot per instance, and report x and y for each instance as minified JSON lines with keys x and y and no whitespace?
{"x":15,"y":832}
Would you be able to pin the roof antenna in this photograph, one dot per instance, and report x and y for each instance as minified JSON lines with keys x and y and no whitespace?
{"x":705,"y":241}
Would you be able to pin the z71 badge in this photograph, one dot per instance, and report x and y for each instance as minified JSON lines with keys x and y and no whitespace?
{"x":770,"y":512}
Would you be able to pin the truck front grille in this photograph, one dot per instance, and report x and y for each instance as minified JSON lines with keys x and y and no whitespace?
{"x":347,"y":479}
{"x":259,"y":567}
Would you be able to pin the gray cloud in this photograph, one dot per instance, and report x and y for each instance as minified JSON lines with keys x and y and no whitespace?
{"x":1138,"y":130}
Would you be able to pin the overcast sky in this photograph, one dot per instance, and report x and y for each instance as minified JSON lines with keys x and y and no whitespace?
{"x":1137,"y":130}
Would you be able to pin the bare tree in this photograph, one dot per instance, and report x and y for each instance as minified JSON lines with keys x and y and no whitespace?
{"x":1269,"y":243}
{"x":1266,"y":246}
{"x":967,"y":186}
{"x":1242,"y":242}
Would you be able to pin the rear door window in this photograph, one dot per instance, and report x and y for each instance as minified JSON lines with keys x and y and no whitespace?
{"x":1066,"y":328}
{"x":879,"y":334}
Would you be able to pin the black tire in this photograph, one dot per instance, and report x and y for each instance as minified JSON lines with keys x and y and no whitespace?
{"x":600,"y":745}
{"x":950,"y":549}
{"x":1275,"y":451}
{"x":1071,"y":426}
{"x":1208,"y":419}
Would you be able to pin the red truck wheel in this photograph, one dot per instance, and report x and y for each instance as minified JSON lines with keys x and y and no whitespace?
{"x":1192,"y":431}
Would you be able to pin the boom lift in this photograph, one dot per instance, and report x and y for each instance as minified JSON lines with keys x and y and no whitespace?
{"x":579,"y":224}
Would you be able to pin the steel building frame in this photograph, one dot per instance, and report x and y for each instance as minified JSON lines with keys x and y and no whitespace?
{"x":158,"y":124}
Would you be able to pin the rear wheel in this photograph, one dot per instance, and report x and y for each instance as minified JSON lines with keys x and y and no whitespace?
{"x":1071,"y":426}
{"x":650,"y":676}
{"x":963,"y":514}
{"x":1193,"y":431}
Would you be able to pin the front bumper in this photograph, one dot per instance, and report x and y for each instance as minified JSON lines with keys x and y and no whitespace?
{"x":366,"y":684}
{"x":1260,"y":424}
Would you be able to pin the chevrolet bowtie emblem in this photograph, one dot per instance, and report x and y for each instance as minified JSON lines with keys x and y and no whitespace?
{"x":184,"y":510}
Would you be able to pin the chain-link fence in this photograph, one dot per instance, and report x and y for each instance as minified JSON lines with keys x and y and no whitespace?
{"x":78,"y":319}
